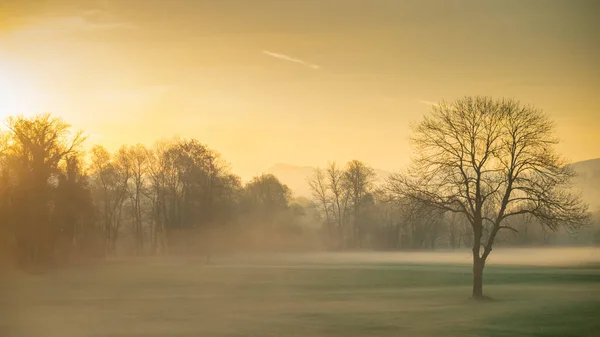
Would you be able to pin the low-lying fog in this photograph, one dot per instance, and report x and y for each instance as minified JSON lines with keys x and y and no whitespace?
{"x":551,"y":256}
{"x":306,"y":294}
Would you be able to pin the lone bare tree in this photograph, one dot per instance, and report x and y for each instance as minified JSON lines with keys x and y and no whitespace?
{"x":490,"y":160}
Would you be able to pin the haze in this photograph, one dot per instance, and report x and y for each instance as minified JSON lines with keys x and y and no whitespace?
{"x":326,"y":168}
{"x":352,"y":79}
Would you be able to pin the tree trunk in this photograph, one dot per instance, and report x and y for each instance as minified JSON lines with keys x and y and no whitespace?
{"x":478,"y":262}
{"x":477,"y":277}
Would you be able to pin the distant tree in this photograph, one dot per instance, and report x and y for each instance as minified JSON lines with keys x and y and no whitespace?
{"x":197,"y":175}
{"x":421,"y":224}
{"x":110,"y":175}
{"x":73,"y":209}
{"x":137,"y":159}
{"x":456,"y":229}
{"x":319,"y":188}
{"x":158,"y":168}
{"x":490,"y":160}
{"x":189,"y":186}
{"x":267,"y":196}
{"x":340,"y":196}
{"x":34,"y":150}
{"x":386,"y":216}
{"x":358,"y":179}
{"x":230,"y":190}
{"x":7,"y":229}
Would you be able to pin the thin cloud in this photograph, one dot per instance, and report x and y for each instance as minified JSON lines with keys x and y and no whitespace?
{"x":87,"y":21}
{"x":97,"y":19}
{"x":82,"y":23}
{"x":292,"y":59}
{"x":430,"y":103}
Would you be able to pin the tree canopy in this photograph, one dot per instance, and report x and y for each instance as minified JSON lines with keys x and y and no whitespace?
{"x":489,"y":161}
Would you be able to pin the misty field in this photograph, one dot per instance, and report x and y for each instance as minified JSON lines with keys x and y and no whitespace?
{"x":395,"y":294}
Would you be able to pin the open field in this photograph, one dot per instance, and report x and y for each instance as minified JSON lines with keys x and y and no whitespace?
{"x":308,"y":295}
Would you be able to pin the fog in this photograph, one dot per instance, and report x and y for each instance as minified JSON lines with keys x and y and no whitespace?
{"x":305,"y":294}
{"x":550,"y":256}
{"x":169,"y":241}
{"x":299,"y":168}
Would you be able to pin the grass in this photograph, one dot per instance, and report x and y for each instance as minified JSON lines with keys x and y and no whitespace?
{"x":188,"y":298}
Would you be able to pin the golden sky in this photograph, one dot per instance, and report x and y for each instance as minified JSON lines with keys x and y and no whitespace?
{"x":300,"y":82}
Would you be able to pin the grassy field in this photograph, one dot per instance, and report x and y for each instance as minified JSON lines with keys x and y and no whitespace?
{"x":286,"y":296}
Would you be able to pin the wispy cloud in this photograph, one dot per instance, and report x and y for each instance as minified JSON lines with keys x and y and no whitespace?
{"x":430,"y":103}
{"x":86,"y":21}
{"x":292,"y":59}
{"x":83,"y":24}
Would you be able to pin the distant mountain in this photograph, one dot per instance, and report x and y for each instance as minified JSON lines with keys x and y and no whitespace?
{"x":587,"y":179}
{"x":296,"y":177}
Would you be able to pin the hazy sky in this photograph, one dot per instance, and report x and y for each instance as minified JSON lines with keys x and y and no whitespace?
{"x":300,"y":82}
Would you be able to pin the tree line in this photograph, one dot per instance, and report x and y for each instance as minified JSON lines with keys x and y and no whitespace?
{"x":358,"y":210}
{"x":57,"y":201}
{"x":485,"y":172}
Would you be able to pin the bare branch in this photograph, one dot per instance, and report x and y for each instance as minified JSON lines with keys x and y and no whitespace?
{"x":508,"y":227}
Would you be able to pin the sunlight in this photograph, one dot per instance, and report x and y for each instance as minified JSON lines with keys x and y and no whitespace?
{"x":317,"y":168}
{"x":18,"y":94}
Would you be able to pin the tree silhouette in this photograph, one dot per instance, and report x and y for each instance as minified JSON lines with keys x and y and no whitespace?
{"x":267,"y":196}
{"x":73,"y":210}
{"x":34,"y":152}
{"x":358,"y":180}
{"x":480,"y":163}
{"x":490,"y":160}
{"x":110,"y":176}
{"x":340,"y":195}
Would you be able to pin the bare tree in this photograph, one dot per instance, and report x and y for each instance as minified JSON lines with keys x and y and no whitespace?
{"x":36,"y":148}
{"x":111,"y":176}
{"x":156,"y":194}
{"x":340,"y":198}
{"x":456,"y":229}
{"x":6,"y":223}
{"x":490,"y":160}
{"x":137,"y":159}
{"x":358,"y":181}
{"x":421,"y":223}
{"x":72,"y":211}
{"x":320,"y":191}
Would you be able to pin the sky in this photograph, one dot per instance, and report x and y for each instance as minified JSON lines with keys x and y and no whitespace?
{"x":292,"y":81}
